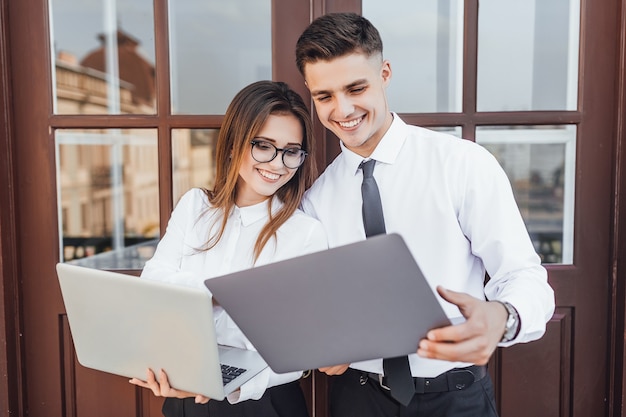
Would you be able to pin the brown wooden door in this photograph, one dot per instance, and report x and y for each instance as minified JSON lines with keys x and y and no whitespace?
{"x":569,"y":372}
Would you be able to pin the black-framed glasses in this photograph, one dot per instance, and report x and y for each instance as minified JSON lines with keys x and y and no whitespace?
{"x":264,"y":151}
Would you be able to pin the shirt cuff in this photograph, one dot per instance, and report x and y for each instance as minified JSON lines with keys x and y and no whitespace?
{"x":255,"y":388}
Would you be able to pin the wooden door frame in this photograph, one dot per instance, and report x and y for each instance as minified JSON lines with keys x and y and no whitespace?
{"x":617,"y":383}
{"x":29,"y":60}
{"x":25,"y":30}
{"x":12,"y":389}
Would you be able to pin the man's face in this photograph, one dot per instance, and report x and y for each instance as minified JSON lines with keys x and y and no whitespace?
{"x":350,"y":98}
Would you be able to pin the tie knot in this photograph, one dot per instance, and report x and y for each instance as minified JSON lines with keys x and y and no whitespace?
{"x":368,"y":168}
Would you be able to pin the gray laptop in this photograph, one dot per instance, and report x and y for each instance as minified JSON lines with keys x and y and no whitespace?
{"x":124,"y":325}
{"x":357,"y":302}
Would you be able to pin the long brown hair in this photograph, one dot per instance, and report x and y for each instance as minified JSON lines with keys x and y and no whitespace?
{"x":244,"y":118}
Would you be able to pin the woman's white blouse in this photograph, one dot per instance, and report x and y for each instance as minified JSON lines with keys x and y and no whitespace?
{"x":179,"y":259}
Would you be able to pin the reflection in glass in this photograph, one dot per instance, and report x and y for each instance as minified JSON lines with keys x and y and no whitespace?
{"x":450,"y":130}
{"x":540,"y":163}
{"x":528,"y":55}
{"x":424,"y":44}
{"x":108,"y":192}
{"x":216,"y":48}
{"x":193,"y":159}
{"x":103,"y":56}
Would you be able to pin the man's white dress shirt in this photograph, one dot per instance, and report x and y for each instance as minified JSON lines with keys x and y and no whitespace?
{"x":453,"y":204}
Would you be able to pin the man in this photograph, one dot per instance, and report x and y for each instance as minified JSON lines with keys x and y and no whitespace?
{"x":453,"y":205}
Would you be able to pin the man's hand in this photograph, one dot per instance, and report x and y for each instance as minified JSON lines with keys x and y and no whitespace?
{"x":335,"y":370}
{"x":161,"y":388}
{"x":473,"y":341}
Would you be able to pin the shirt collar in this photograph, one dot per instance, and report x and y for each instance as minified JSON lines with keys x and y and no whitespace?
{"x":252,"y":214}
{"x":386,"y":151}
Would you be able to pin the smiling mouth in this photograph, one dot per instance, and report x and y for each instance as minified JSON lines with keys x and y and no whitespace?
{"x":269,"y":175}
{"x":351,"y":123}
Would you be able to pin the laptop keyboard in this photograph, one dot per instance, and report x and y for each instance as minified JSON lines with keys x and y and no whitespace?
{"x":231,"y":372}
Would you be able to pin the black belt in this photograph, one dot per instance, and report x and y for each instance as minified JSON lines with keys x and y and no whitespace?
{"x":454,"y":380}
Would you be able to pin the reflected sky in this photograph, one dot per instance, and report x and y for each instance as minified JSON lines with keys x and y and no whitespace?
{"x":216,"y":48}
{"x":424,"y":46}
{"x":527,"y":50}
{"x":76,"y":24}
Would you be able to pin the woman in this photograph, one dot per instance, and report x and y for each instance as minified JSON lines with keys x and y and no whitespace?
{"x":250,"y":218}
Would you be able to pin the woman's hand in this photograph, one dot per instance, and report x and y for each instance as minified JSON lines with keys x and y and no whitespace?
{"x":162,"y":388}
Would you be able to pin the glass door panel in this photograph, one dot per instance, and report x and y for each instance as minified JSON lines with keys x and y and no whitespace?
{"x":193,"y":159}
{"x":103,"y":53}
{"x":108,"y":196}
{"x":217,"y":48}
{"x":540,"y":162}
{"x":528,"y":55}
{"x":423,"y":40}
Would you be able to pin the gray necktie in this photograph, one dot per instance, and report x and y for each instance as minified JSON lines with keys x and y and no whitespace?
{"x":373,"y":219}
{"x":397,"y":370}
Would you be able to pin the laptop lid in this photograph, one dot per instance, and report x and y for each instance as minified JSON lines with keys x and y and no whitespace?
{"x":124,"y":325}
{"x":362,"y":301}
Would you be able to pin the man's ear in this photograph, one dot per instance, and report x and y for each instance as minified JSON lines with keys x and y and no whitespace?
{"x":385,"y":72}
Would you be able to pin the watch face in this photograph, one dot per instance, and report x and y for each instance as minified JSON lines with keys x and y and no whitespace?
{"x":512,"y":323}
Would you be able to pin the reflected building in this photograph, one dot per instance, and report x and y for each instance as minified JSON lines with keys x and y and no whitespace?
{"x":109,"y":178}
{"x":133,"y":69}
{"x":537,"y":175}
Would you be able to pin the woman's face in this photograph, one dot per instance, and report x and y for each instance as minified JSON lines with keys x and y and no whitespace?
{"x":260,"y":180}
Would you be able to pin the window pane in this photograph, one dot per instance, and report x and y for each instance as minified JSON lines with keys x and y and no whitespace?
{"x":540,"y":163}
{"x":216,"y":48}
{"x":103,"y":56}
{"x":193,"y":159}
{"x":424,"y":44}
{"x":528,"y":55}
{"x":108,"y":196}
{"x":450,"y":130}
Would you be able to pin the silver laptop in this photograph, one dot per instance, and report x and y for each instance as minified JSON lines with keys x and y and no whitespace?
{"x":357,"y":302}
{"x":124,"y":325}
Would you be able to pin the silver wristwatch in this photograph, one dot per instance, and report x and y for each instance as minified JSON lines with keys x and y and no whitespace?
{"x":512,"y":323}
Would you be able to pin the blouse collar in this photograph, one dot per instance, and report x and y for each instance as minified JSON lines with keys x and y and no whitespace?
{"x":257,"y":212}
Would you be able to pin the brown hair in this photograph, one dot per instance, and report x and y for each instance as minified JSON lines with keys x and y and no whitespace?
{"x":334,"y":35}
{"x":244,"y":118}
